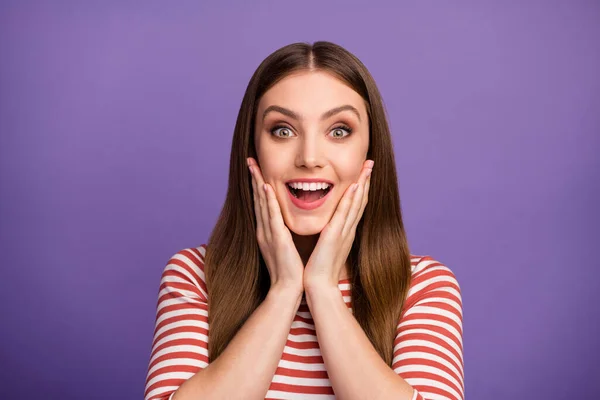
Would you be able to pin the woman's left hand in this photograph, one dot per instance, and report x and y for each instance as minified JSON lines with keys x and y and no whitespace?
{"x":329,"y":256}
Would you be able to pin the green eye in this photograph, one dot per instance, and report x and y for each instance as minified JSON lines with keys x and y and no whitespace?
{"x":283,"y":128}
{"x":285,"y":132}
{"x":341,"y":128}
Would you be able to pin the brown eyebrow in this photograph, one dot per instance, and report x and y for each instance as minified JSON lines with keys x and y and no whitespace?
{"x":298,"y":117}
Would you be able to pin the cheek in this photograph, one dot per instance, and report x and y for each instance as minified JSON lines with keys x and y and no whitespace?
{"x":273,"y":167}
{"x":269,"y":173}
{"x":349,"y":169}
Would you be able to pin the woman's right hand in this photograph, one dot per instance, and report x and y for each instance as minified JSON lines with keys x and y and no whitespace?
{"x":274,"y":238}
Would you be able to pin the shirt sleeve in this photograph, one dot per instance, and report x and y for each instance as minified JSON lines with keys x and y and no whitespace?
{"x":428,"y":349}
{"x":180,"y":342}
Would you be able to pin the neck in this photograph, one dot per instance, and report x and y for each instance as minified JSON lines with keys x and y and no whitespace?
{"x":305,"y":246}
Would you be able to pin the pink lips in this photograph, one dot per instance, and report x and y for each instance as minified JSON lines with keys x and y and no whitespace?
{"x":307,"y":206}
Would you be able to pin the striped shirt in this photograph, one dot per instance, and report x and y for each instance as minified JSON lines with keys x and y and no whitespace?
{"x":428,"y":349}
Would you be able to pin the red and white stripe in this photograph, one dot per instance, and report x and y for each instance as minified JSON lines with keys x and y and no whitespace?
{"x":427,"y":350}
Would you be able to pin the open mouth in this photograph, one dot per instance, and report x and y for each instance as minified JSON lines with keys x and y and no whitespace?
{"x":309,"y":195}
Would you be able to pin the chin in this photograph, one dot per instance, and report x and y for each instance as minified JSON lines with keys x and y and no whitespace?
{"x":305,"y":228}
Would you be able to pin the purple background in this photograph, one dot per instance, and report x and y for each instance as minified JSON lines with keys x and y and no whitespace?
{"x":116,"y":122}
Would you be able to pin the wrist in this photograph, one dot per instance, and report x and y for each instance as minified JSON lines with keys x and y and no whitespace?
{"x":321,"y":287}
{"x":322,"y":291}
{"x":285,"y":293}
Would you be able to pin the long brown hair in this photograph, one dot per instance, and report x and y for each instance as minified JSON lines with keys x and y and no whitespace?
{"x":236,"y":274}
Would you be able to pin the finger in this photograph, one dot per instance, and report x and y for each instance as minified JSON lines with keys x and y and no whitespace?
{"x":259,"y":223}
{"x":263,"y":200}
{"x":276,"y":219}
{"x":365,"y":194}
{"x":365,"y":199}
{"x":341,"y":213}
{"x":353,"y":213}
{"x":364,"y":202}
{"x":367,"y":185}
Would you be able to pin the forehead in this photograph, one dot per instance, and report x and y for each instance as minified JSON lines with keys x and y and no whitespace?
{"x":311,"y":93}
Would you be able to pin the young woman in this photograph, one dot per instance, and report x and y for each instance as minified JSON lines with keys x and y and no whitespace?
{"x":307,"y":288}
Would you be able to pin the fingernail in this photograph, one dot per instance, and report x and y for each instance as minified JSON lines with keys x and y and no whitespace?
{"x":265,"y":186}
{"x":251,"y":170}
{"x":355,"y":187}
{"x":248,"y":161}
{"x":370,"y":163}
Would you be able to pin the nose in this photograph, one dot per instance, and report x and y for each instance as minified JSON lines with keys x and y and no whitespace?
{"x":309,"y":152}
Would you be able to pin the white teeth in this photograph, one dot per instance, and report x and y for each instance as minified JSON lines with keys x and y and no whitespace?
{"x":309,"y":186}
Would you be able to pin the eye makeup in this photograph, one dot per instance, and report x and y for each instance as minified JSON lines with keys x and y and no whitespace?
{"x":342,"y":126}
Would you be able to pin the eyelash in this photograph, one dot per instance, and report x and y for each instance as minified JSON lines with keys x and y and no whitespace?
{"x":342,"y":126}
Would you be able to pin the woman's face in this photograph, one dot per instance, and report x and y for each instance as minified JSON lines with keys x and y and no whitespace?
{"x":305,"y":135}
